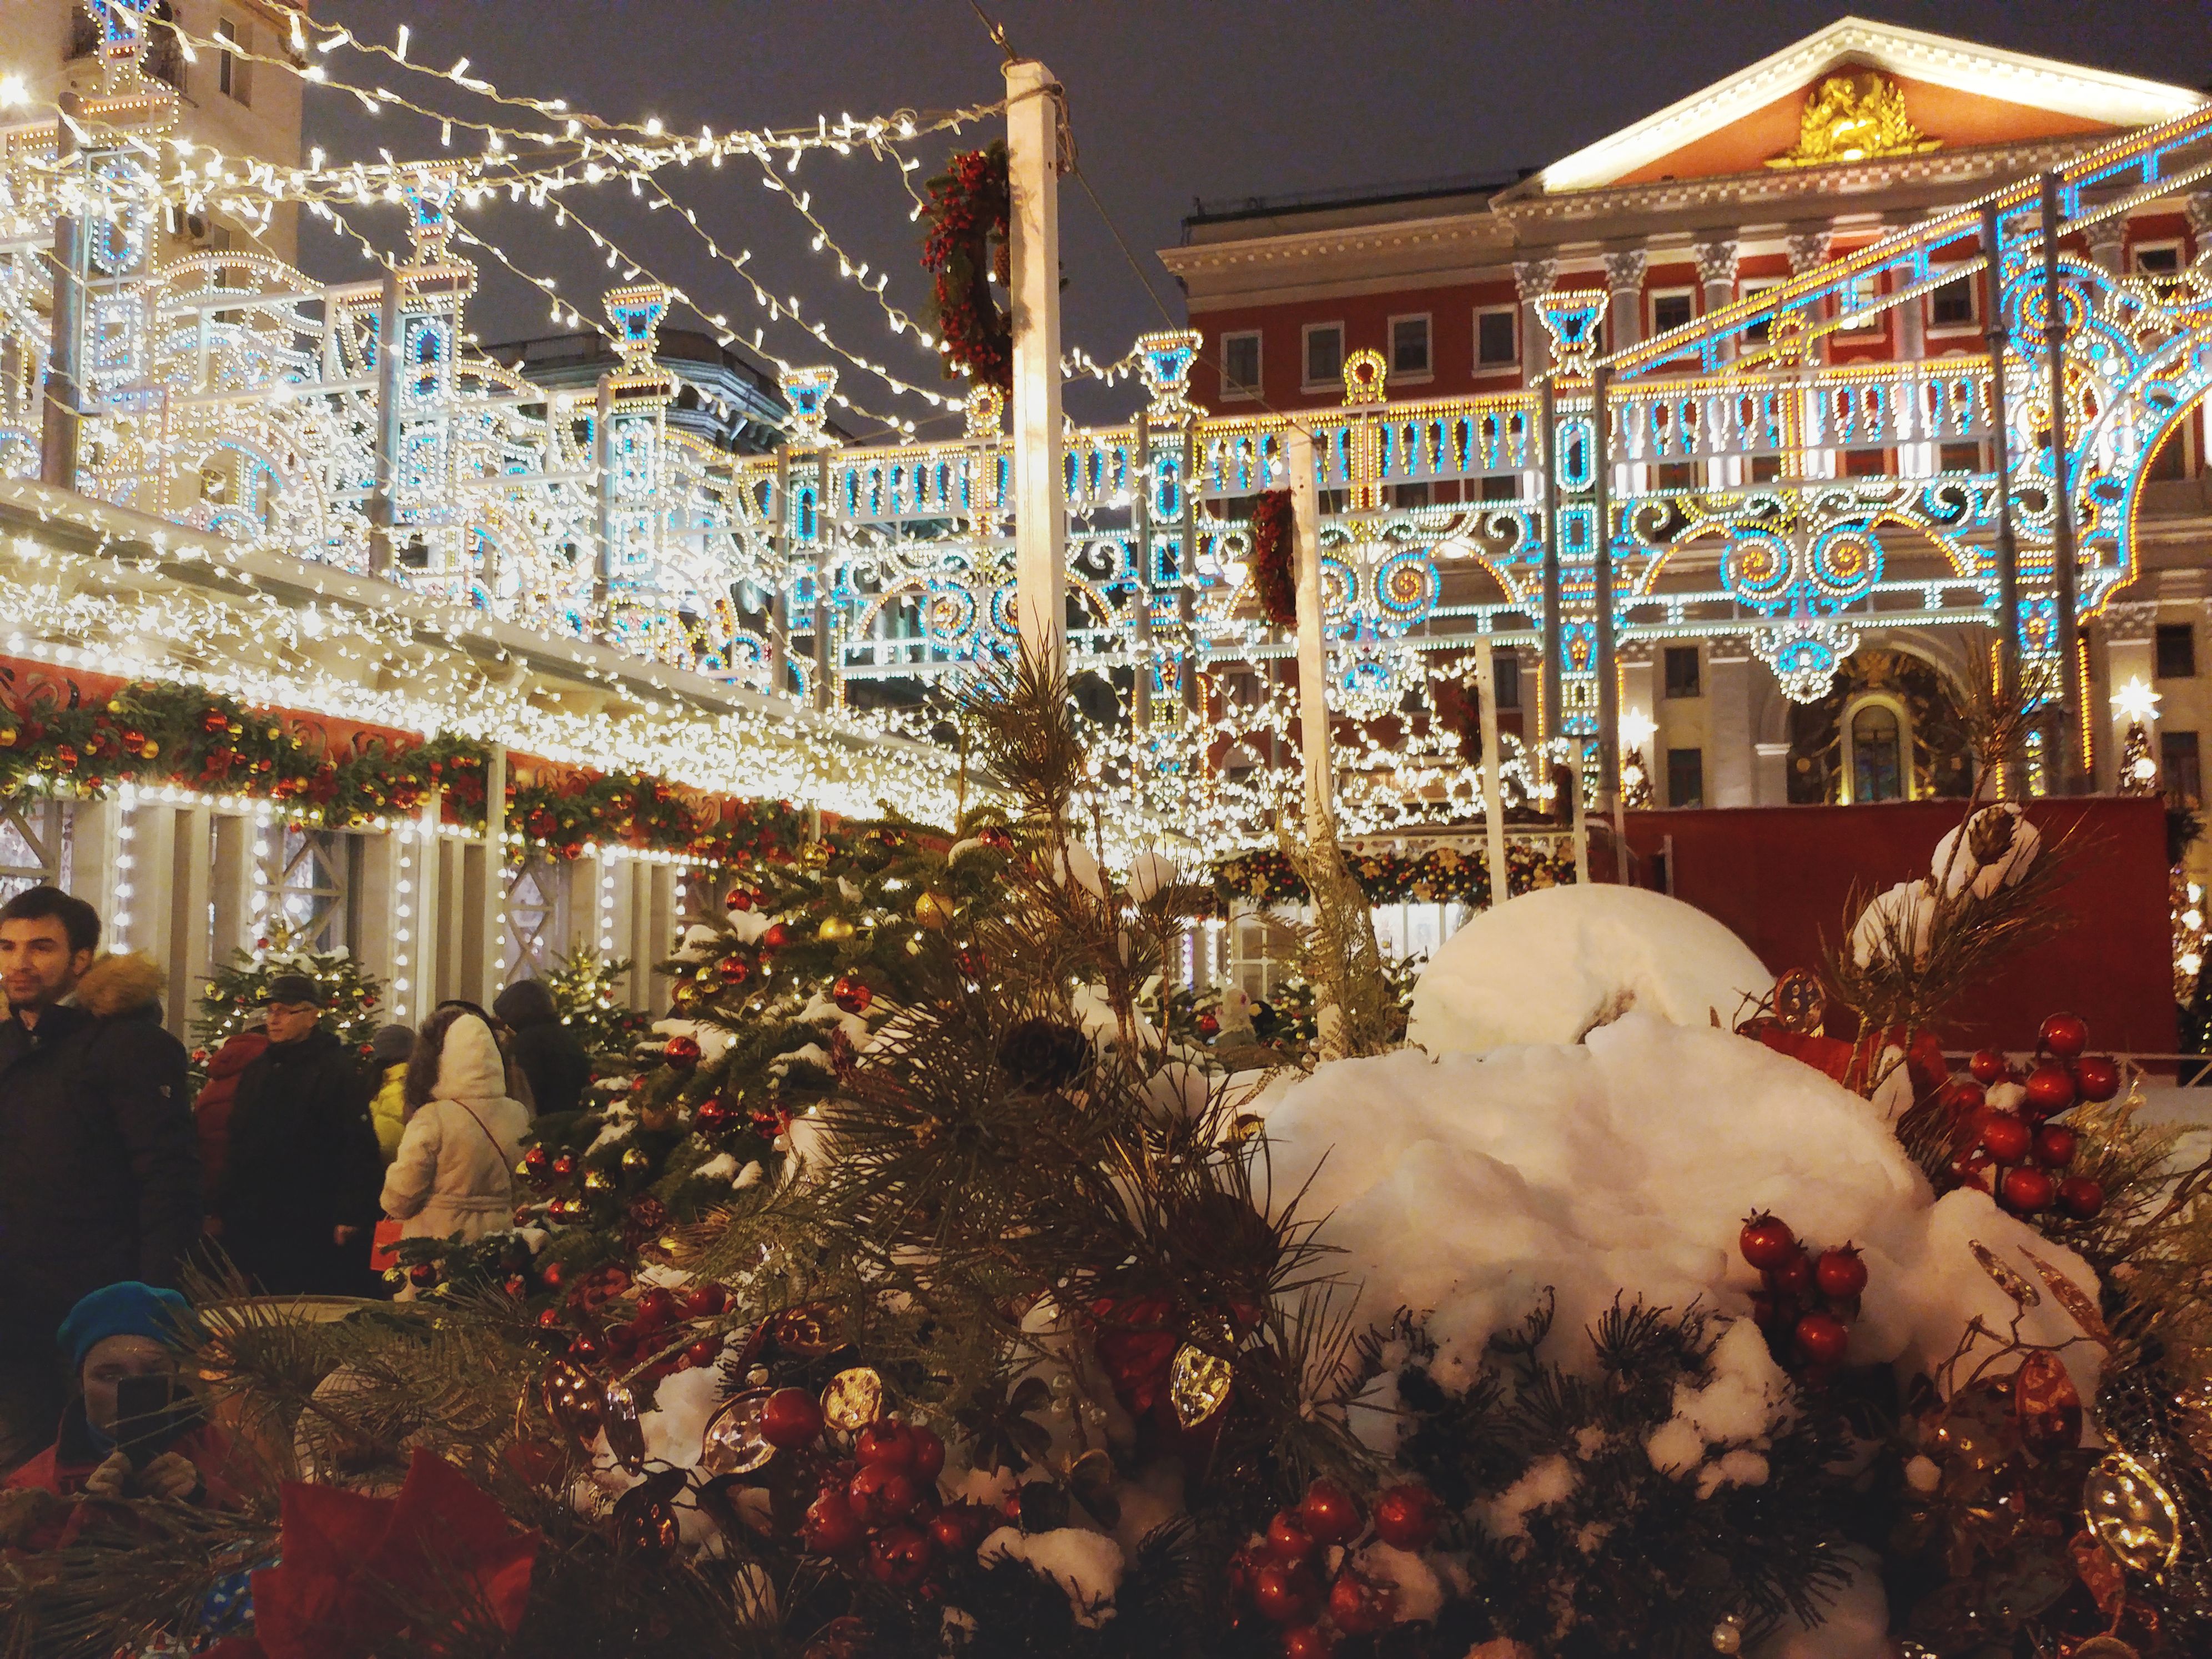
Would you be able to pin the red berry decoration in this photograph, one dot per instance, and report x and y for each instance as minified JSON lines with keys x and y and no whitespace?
{"x":704,"y":1301}
{"x":703,"y":1353}
{"x":1309,"y":1642}
{"x":2006,"y":1137}
{"x":2050,"y":1089}
{"x":2064,"y":1035}
{"x":1988,"y":1066}
{"x":1288,"y":1539}
{"x":888,"y":1443}
{"x":586,"y":1349}
{"x":1286,"y":1592}
{"x":1963,"y":1098}
{"x":928,"y":1458}
{"x":1407,"y":1517}
{"x":2055,"y":1146}
{"x":1794,"y":1277}
{"x":960,"y":1527}
{"x":2080,"y":1196}
{"x":680,"y":1052}
{"x":1360,"y":1606}
{"x":900,"y":1556}
{"x":2025,"y":1190}
{"x":776,"y":937}
{"x":2097,"y":1077}
{"x":790,"y":1418}
{"x":851,"y":994}
{"x":1331,"y":1514}
{"x":831,"y":1527}
{"x":655,"y":1309}
{"x":1841,"y":1273}
{"x":880,"y":1494}
{"x":1765,"y":1243}
{"x":1823,"y":1339}
{"x":711,"y":1117}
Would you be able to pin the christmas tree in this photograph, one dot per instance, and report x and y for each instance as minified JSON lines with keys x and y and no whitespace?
{"x":233,"y":998}
{"x":590,"y":994}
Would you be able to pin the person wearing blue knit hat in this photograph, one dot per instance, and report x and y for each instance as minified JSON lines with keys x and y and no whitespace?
{"x":114,"y":1339}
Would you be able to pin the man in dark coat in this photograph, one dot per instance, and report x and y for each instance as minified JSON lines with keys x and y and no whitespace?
{"x":100,"y":1179}
{"x":547,"y":1051}
{"x":298,"y":1196}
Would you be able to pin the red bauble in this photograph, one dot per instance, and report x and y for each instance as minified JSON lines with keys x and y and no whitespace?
{"x":734,"y":971}
{"x":712,"y":1115}
{"x":776,"y":937}
{"x":1208,"y":1026}
{"x":655,"y":1309}
{"x":704,"y":1301}
{"x":536,"y":1160}
{"x":851,"y":994}
{"x":1330,"y":1513}
{"x":703,"y":1353}
{"x":1767,"y":1242}
{"x":739,"y":899}
{"x":565,"y":1165}
{"x":2097,"y":1077}
{"x":1288,"y":1539}
{"x":2055,"y":1146}
{"x":928,"y":1458}
{"x":1823,"y":1339}
{"x":791,"y":1416}
{"x":831,"y":1527}
{"x":2006,"y":1137}
{"x":1309,"y":1642}
{"x":2050,"y":1089}
{"x":1360,"y":1606}
{"x":549,"y":1319}
{"x":881,"y":1494}
{"x":680,"y":1052}
{"x":2080,"y":1196}
{"x":1286,"y":1592}
{"x":586,"y":1349}
{"x":1989,"y":1067}
{"x":1407,"y":1517}
{"x":1794,"y":1277}
{"x":1841,"y":1273}
{"x":888,"y":1443}
{"x":900,"y":1556}
{"x":2064,"y":1035}
{"x":2025,"y":1190}
{"x":422,"y":1274}
{"x":515,"y":1285}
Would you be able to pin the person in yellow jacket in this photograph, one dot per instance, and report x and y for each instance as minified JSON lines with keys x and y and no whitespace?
{"x":388,"y":1052}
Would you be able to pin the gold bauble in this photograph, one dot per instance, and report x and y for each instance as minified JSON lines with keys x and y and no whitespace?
{"x":933,"y":911}
{"x":853,"y":1399}
{"x":598,"y":1181}
{"x":2132,"y":1515}
{"x":732,"y":1443}
{"x":1198,"y":1384}
{"x":637,"y":1158}
{"x":833,"y":928}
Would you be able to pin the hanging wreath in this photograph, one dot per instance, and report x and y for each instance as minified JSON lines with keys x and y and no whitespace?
{"x":1273,"y":579}
{"x":971,"y":217}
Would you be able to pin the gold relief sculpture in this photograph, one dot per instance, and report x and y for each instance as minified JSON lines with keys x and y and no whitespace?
{"x":1855,"y":117}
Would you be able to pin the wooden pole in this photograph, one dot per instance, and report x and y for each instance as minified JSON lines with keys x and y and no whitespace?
{"x":2000,"y":458}
{"x":2072,"y":769}
{"x":1493,"y":764}
{"x":1033,"y":118}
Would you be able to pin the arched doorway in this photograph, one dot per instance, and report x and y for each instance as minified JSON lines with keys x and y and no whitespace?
{"x":1889,"y":729}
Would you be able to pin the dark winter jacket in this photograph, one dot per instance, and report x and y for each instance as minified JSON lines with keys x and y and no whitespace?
{"x":547,"y":1051}
{"x":211,"y":1111}
{"x":99,"y":1176}
{"x":303,"y":1162}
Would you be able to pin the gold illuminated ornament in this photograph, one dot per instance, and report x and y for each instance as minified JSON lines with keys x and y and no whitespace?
{"x":2008,"y":1278}
{"x":833,"y":928}
{"x":1855,"y":117}
{"x":598,"y":1181}
{"x":2132,"y":1515}
{"x":625,"y":1433}
{"x":933,"y":911}
{"x":853,"y":1399}
{"x":573,"y":1400}
{"x":1198,"y":1384}
{"x":733,"y":1443}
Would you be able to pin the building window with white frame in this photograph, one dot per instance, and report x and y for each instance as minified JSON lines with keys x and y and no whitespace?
{"x":1672,"y":308}
{"x":1324,"y":355}
{"x":2155,"y":259}
{"x":1497,"y":337}
{"x":1953,"y":306}
{"x":230,"y":68}
{"x":1409,"y":347}
{"x":1857,"y":306}
{"x":1240,"y":365}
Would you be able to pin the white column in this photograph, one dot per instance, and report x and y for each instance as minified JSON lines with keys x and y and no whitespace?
{"x":430,"y":908}
{"x":491,"y":961}
{"x":191,"y":936}
{"x":658,"y":881}
{"x":95,"y":845}
{"x":150,"y":844}
{"x":1033,"y":106}
{"x":1493,"y":775}
{"x":1727,"y":730}
{"x":1717,"y":278}
{"x":1313,"y":648}
{"x":233,"y":887}
{"x":1771,"y":774}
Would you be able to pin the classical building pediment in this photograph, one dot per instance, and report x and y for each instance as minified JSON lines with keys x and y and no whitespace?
{"x":1859,"y":92}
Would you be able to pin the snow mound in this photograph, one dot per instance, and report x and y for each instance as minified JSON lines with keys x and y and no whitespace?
{"x":1548,"y":966}
{"x":1462,"y":1187}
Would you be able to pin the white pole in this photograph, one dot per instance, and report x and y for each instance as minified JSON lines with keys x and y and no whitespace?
{"x":1040,"y":492}
{"x":1493,"y":765}
{"x":492,"y":968}
{"x":1582,"y":817}
{"x":1313,"y":649}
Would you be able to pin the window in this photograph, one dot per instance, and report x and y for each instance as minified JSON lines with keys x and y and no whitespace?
{"x":2156,"y":258}
{"x":1682,"y":680}
{"x":1678,"y":475}
{"x":1507,"y":667}
{"x":1765,"y":469}
{"x":1953,"y":304}
{"x":1865,"y":463}
{"x":2177,"y":651}
{"x":1497,"y":338}
{"x":1409,"y":345}
{"x":1958,"y":458}
{"x":1672,"y":308}
{"x":1324,"y":355}
{"x":1855,"y":306}
{"x":1410,"y":494}
{"x":2177,"y":758}
{"x":229,"y":71}
{"x":1759,"y":332}
{"x":1686,"y":777}
{"x":1240,"y":365}
{"x":1877,"y":755}
{"x":1500,"y":486}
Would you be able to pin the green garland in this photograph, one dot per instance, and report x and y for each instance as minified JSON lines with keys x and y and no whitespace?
{"x":1442,"y":876}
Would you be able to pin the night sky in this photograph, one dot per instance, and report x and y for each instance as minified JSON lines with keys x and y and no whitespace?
{"x":1168,"y":102}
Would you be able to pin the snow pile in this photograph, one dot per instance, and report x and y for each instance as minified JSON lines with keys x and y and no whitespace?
{"x":2001,"y":845}
{"x":1548,"y":966}
{"x":1087,"y":1565}
{"x":1461,"y":1187}
{"x":1746,"y":1393}
{"x":1903,"y":916}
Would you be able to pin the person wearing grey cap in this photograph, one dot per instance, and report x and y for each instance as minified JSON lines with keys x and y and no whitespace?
{"x":299,"y":1194}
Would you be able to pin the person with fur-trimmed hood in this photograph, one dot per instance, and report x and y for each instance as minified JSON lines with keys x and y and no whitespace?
{"x":100,"y":1178}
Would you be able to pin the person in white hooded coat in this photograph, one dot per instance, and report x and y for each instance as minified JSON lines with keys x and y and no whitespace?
{"x":453,"y":1173}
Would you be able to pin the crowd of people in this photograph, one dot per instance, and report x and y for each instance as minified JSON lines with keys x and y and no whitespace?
{"x":298,"y":1160}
